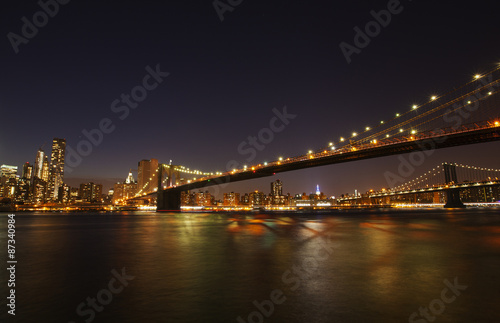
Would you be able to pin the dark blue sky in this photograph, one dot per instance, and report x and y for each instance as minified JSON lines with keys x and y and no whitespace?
{"x":226,"y":78}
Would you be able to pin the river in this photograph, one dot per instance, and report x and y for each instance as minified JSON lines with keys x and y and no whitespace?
{"x":385,"y":265}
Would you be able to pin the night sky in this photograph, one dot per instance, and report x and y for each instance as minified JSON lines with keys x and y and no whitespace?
{"x":226,"y":77}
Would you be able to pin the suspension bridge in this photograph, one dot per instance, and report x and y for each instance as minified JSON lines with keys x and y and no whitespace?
{"x":449,"y":183}
{"x":468,"y":114}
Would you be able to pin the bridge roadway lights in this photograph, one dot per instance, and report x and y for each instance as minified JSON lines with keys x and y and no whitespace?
{"x":169,"y":200}
{"x":453,"y":199}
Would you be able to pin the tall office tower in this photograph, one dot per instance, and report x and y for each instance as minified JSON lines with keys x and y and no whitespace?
{"x":146,"y":175}
{"x":27,"y":171}
{"x":56,"y":172}
{"x":277,"y":188}
{"x":277,"y":192}
{"x":40,"y":157}
{"x":45,"y":169}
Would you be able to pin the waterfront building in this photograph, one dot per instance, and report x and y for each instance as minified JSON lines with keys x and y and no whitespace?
{"x":276,"y":196}
{"x":90,"y":192}
{"x":257,"y":198}
{"x":231,"y":199}
{"x":245,"y":199}
{"x":56,"y":172}
{"x":8,"y":181}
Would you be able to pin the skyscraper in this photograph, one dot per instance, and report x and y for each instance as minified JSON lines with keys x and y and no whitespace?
{"x":146,"y":175}
{"x":277,"y":197}
{"x":40,"y":157}
{"x":277,"y":188}
{"x":56,"y":172}
{"x":45,"y":169}
{"x":27,"y":171}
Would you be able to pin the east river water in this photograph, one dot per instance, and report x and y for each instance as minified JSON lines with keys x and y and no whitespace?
{"x":383,"y":265}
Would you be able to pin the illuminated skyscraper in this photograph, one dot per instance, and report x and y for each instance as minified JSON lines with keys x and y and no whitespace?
{"x":45,"y":169}
{"x":39,"y":163}
{"x":27,"y":171}
{"x":56,"y":172}
{"x":276,"y":188}
{"x":130,"y":178}
{"x":277,"y":197}
{"x":146,"y":175}
{"x":41,"y":170}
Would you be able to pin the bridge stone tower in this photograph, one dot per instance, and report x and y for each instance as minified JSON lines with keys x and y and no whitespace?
{"x":169,"y":199}
{"x":452,"y":194}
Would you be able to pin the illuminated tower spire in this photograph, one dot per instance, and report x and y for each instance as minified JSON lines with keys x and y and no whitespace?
{"x":318,"y":192}
{"x":130,"y":178}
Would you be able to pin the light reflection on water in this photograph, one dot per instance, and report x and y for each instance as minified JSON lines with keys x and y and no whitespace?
{"x":365,"y":266}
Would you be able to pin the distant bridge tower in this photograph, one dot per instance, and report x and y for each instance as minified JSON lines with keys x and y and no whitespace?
{"x":452,"y":194}
{"x":168,"y":200}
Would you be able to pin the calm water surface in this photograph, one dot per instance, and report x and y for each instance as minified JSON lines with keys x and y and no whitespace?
{"x":364,"y":266}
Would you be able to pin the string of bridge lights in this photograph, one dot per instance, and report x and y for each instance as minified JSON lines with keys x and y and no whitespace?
{"x":476,"y":168}
{"x":414,"y":107}
{"x":186,"y":170}
{"x":422,"y":178}
{"x":435,"y":171}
